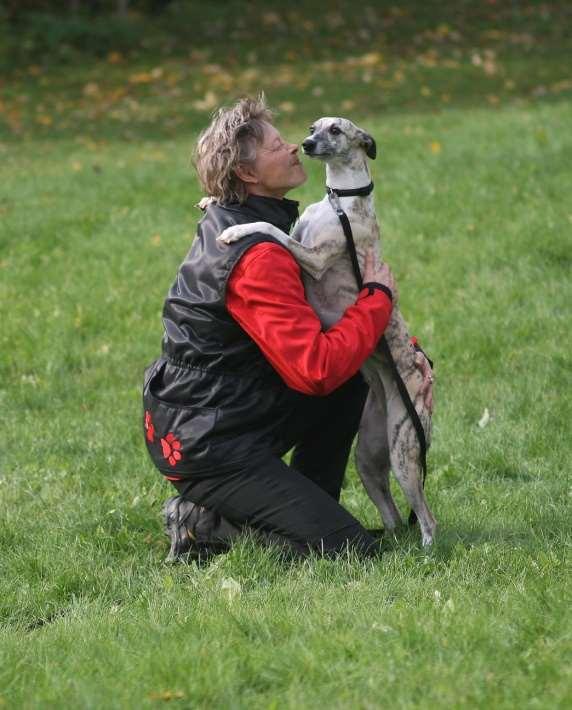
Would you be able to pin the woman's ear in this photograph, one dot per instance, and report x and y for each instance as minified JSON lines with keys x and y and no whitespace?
{"x":246,"y":173}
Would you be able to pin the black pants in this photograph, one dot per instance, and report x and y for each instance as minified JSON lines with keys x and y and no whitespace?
{"x":296,"y":505}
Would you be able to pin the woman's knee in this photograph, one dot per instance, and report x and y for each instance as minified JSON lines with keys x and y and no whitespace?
{"x":354,"y":539}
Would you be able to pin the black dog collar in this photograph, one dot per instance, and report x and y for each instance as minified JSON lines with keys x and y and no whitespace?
{"x":357,"y":192}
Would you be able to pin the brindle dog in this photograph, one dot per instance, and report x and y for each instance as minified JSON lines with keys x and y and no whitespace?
{"x":387,"y":438}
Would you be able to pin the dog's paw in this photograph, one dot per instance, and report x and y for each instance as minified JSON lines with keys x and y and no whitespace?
{"x":230,"y":235}
{"x":205,"y":202}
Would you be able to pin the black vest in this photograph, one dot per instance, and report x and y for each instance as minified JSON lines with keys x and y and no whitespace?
{"x":213,"y":400}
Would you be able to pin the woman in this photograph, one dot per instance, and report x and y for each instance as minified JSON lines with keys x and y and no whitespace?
{"x":246,"y":373}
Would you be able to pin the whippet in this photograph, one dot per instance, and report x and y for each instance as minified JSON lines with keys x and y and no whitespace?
{"x":387,"y":437}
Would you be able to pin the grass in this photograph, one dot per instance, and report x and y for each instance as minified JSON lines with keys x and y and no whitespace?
{"x":473,"y":197}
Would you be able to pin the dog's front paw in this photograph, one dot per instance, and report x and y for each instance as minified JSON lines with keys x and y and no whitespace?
{"x":230,"y":235}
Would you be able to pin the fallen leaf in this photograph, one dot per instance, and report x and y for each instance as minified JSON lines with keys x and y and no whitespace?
{"x":91,"y":89}
{"x":435,"y":147}
{"x":167,"y":695}
{"x":141,"y":78}
{"x":271,"y":18}
{"x":231,"y":588}
{"x":114,"y":57}
{"x":207,"y":103}
{"x":371,"y":59}
{"x":485,"y":419}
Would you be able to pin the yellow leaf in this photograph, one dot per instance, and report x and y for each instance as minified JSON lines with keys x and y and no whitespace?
{"x":76,"y":166}
{"x":167,"y":695}
{"x":425,"y":91}
{"x":44,"y":120}
{"x":156,"y":240}
{"x":91,"y":89}
{"x":114,"y":57}
{"x":271,"y":18}
{"x":141,"y":78}
{"x":370,"y":59}
{"x":435,"y":147}
{"x":209,"y":101}
{"x":287,"y":106}
{"x":348,"y":105}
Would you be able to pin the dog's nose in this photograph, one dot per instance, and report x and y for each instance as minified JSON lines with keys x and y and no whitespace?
{"x":308,"y":145}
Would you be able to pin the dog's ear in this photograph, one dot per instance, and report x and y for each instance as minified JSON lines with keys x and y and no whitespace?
{"x":367,"y":142}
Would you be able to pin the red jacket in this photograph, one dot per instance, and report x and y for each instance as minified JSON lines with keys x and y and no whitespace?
{"x":265,"y":295}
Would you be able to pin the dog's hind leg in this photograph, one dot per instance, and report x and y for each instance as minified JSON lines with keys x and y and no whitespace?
{"x":404,"y":454}
{"x":372,"y":456}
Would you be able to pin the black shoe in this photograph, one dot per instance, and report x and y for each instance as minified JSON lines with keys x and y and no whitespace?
{"x":180,"y":520}
{"x":196,"y":532}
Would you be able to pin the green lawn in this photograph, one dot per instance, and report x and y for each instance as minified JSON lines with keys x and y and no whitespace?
{"x":96,"y":213}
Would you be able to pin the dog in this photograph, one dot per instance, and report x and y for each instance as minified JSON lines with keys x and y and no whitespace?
{"x":387,"y":437}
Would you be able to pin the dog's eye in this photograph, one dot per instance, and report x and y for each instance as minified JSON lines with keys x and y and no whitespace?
{"x":312,"y":129}
{"x":334,"y":130}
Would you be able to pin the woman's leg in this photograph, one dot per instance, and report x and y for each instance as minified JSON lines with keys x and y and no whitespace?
{"x":331,"y":424}
{"x":279,"y":501}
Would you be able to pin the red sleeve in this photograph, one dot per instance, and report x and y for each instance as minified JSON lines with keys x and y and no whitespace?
{"x":265,"y":295}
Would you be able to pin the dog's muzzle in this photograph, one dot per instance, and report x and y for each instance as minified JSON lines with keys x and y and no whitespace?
{"x":309,"y":146}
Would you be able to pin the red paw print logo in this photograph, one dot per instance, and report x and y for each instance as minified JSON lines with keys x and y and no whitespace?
{"x":149,"y":428}
{"x":171,"y":449}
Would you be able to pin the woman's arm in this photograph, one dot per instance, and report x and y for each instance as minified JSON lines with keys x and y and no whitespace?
{"x":265,"y":295}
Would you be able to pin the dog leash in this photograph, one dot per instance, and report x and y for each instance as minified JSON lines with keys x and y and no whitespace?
{"x":333,"y":197}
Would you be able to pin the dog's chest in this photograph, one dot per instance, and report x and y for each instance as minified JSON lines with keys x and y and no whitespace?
{"x":319,"y":226}
{"x":337,"y":289}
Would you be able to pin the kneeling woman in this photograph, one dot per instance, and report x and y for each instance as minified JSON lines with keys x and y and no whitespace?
{"x":246,"y":372}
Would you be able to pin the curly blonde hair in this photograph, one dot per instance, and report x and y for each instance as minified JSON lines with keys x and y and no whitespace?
{"x":230,"y":140}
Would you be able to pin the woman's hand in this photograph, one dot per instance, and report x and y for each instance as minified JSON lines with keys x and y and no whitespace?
{"x":379,"y":272}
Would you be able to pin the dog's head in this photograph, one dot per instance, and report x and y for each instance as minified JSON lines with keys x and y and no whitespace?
{"x":337,"y":138}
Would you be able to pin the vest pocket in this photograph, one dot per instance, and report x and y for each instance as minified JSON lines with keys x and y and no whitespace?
{"x":177,"y":437}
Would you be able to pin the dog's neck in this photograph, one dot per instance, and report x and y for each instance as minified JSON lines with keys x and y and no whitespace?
{"x":347,"y":175}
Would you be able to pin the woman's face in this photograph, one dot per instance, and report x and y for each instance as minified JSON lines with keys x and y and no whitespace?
{"x":276,"y":169}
